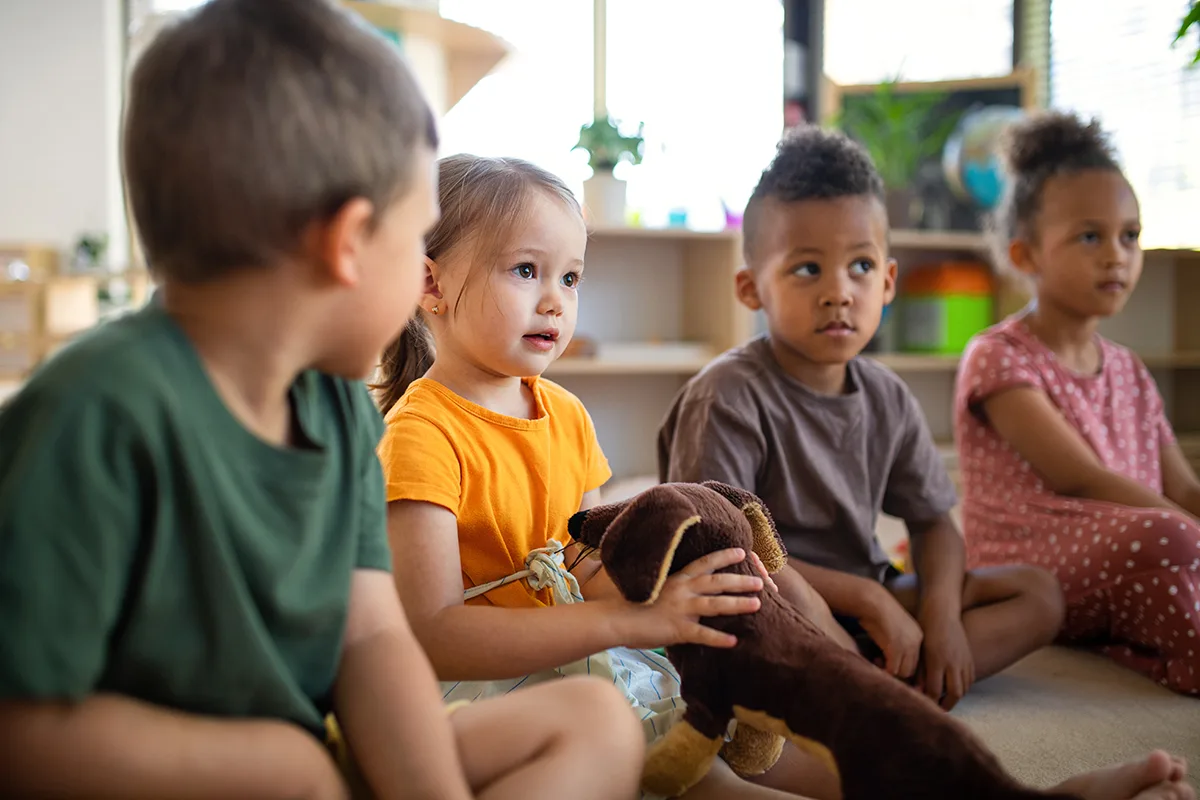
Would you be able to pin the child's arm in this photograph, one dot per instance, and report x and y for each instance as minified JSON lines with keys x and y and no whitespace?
{"x":489,"y":643}
{"x":880,"y":614}
{"x":802,"y":594}
{"x":1179,"y":479}
{"x":387,"y":700}
{"x":111,"y":746}
{"x":1029,"y":422}
{"x":940,"y":562}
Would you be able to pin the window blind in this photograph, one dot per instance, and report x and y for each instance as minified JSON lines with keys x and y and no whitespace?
{"x":1113,"y":59}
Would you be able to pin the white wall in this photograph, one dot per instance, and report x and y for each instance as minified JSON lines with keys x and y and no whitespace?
{"x":60,"y":104}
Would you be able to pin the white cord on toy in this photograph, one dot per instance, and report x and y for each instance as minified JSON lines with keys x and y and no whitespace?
{"x":544,"y":567}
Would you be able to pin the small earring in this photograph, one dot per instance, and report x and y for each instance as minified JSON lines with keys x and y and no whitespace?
{"x":435,"y":310}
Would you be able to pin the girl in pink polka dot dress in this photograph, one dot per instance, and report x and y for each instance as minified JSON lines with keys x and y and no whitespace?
{"x":1067,"y":459}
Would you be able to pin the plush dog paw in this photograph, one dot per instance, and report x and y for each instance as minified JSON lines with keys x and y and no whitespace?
{"x":752,"y":752}
{"x":679,"y":760}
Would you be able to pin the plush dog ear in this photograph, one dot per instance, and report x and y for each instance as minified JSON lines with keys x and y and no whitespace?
{"x":640,"y":544}
{"x":767,"y":543}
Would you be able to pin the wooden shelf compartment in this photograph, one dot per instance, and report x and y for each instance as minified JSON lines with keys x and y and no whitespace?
{"x":921,"y":362}
{"x":669,"y":234}
{"x":941,"y":241}
{"x":637,"y":358}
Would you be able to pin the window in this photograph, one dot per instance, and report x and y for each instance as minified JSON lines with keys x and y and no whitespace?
{"x":708,"y":85}
{"x":1113,"y":59}
{"x":533,"y":104}
{"x":869,"y":41}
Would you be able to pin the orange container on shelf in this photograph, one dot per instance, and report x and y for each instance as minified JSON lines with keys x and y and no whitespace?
{"x":943,"y":305}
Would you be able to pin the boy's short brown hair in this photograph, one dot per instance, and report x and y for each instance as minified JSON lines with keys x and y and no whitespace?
{"x":248,"y":120}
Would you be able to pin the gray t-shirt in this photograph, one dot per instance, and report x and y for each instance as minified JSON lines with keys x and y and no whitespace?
{"x":824,"y":465}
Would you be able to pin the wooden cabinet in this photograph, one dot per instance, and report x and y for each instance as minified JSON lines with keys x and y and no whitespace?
{"x":36,"y":317}
{"x":658,"y":304}
{"x":1160,"y":323}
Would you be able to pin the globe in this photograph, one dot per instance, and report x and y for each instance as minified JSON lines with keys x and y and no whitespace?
{"x":970,"y":159}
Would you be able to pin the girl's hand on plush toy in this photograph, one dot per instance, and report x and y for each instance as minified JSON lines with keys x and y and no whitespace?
{"x":761,"y":568}
{"x":693,"y":592}
{"x":897,"y":633}
{"x":948,"y":666}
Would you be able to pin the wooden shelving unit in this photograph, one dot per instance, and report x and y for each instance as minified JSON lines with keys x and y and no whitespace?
{"x":659,"y":305}
{"x":1160,"y":323}
{"x":916,"y":362}
{"x":449,"y":57}
{"x":646,"y":292}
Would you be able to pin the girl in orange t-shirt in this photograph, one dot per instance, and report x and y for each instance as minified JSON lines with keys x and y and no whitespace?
{"x":485,"y":462}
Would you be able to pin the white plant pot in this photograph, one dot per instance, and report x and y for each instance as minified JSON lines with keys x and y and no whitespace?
{"x":604,"y":199}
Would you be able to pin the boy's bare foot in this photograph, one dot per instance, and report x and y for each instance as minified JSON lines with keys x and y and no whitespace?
{"x":1158,"y":776}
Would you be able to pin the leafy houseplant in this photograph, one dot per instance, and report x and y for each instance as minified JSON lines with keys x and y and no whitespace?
{"x":1192,"y":18}
{"x":90,"y":251}
{"x":900,"y":130}
{"x":606,"y":146}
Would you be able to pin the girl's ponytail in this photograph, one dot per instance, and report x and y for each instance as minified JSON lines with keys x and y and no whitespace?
{"x":405,"y":360}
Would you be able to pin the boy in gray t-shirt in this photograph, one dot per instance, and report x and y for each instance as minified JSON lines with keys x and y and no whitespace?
{"x":829,"y":439}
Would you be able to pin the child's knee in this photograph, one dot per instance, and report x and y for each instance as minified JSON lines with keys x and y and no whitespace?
{"x":598,"y":710}
{"x":1153,"y":540}
{"x":1044,"y":598}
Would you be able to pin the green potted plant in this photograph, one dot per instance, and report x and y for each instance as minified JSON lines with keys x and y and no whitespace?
{"x":1192,"y":18}
{"x":90,"y":251}
{"x":606,"y":146}
{"x":900,"y":130}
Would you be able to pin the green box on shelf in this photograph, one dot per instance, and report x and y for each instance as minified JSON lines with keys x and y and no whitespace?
{"x":943,"y":305}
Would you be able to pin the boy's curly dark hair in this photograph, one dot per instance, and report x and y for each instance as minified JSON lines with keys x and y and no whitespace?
{"x":810,"y":163}
{"x":1034,"y":150}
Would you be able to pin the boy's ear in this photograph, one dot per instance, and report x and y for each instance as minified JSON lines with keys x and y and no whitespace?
{"x":889,"y":281}
{"x":767,"y":542}
{"x":747,"y":289}
{"x":337,"y":243}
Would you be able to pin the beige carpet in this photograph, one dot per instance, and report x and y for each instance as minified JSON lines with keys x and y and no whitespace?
{"x":1062,"y":711}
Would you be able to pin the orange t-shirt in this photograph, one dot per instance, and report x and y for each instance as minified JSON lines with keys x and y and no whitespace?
{"x":513,"y":483}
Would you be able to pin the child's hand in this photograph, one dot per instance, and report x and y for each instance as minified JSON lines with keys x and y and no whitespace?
{"x":948,"y":666}
{"x":691,"y":593}
{"x":897,"y":634}
{"x":761,"y":568}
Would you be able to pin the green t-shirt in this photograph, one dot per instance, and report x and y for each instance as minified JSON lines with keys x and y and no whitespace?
{"x":151,"y":546}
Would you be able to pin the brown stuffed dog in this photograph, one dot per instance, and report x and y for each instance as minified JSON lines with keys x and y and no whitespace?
{"x":785,"y":679}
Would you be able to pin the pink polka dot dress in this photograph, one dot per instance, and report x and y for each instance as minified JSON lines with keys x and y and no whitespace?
{"x":1131,"y":576}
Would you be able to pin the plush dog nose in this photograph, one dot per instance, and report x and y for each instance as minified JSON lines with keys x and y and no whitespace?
{"x":576,"y":528}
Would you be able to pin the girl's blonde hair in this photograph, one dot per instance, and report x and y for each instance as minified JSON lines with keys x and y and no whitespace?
{"x":482,"y":201}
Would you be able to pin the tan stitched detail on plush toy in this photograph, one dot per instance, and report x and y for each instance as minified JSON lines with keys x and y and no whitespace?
{"x":752,"y":752}
{"x":765,"y":722}
{"x":764,"y":539}
{"x":665,"y":567}
{"x":677,"y":761}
